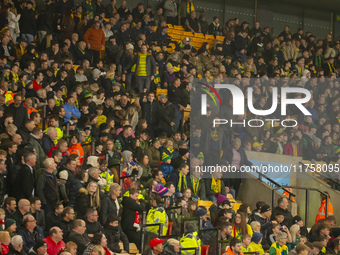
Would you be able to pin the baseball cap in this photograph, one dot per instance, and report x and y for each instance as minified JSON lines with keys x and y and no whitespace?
{"x":265,"y":208}
{"x":156,"y":241}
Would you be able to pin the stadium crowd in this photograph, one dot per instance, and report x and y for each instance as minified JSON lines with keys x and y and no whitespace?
{"x":113,"y":150}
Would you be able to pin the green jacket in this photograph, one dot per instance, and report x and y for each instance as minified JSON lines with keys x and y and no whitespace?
{"x":154,"y":155}
{"x":41,"y":156}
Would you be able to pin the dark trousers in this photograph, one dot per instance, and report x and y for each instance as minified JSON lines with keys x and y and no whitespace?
{"x":95,"y":57}
{"x":134,"y":237}
{"x":171,"y":20}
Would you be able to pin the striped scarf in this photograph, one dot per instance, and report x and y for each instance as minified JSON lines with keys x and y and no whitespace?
{"x":216,"y":185}
{"x":185,"y":185}
{"x":190,"y":8}
{"x":195,"y":184}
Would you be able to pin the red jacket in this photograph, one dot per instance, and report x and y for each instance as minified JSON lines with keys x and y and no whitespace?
{"x":52,"y":247}
{"x":36,"y":86}
{"x":94,"y":37}
{"x":289,"y":149}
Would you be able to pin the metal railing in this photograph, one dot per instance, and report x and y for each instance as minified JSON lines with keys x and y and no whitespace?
{"x":275,"y":184}
{"x":307,"y":199}
{"x":143,"y":225}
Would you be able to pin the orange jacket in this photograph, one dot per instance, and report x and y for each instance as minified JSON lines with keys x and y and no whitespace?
{"x":286,"y":194}
{"x":230,"y":252}
{"x":94,"y":37}
{"x":322,"y":210}
{"x":78,"y":150}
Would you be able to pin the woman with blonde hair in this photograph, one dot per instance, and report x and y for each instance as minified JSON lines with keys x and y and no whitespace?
{"x":295,"y":234}
{"x":238,"y":158}
{"x":13,"y":23}
{"x":5,"y":240}
{"x":132,"y":116}
{"x":89,"y":197}
{"x":97,"y":250}
{"x":71,"y":247}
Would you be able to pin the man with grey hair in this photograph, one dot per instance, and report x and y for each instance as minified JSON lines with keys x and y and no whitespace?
{"x":25,"y":178}
{"x":47,"y":185}
{"x":280,"y":245}
{"x":94,"y":176}
{"x":16,"y":245}
{"x":48,"y":139}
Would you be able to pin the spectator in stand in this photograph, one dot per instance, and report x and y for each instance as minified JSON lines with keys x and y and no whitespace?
{"x":30,"y":232}
{"x":78,"y":236}
{"x":282,"y":206}
{"x":25,"y":179}
{"x":37,"y":212}
{"x":279,"y":245}
{"x":10,"y":206}
{"x":18,"y":111}
{"x":16,"y":246}
{"x":54,"y":241}
{"x":47,"y":186}
{"x":170,"y":8}
{"x":95,"y":40}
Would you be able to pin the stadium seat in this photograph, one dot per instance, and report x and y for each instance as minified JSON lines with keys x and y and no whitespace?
{"x":169,"y":25}
{"x":221,"y":38}
{"x":133,"y":248}
{"x":161,"y":91}
{"x":206,"y":204}
{"x":199,"y":40}
{"x":199,"y":35}
{"x":236,"y":206}
{"x":169,"y":229}
{"x":177,"y":32}
{"x":187,"y":112}
{"x":172,"y":45}
{"x":209,"y":37}
{"x":188,"y":34}
{"x":178,"y":27}
{"x":75,"y":67}
{"x":176,"y":37}
{"x":205,"y":249}
{"x":230,"y":197}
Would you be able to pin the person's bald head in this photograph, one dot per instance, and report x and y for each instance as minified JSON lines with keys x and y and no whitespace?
{"x":194,"y":162}
{"x":24,"y":205}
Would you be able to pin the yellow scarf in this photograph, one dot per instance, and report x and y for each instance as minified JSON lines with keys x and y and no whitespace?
{"x":185,"y":185}
{"x":190,"y":8}
{"x":195,"y":184}
{"x":294,"y":150}
{"x":216,"y":185}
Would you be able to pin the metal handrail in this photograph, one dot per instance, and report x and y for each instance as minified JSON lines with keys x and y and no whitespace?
{"x":307,"y":199}
{"x":144,"y":225}
{"x":197,"y":251}
{"x":272,"y":183}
